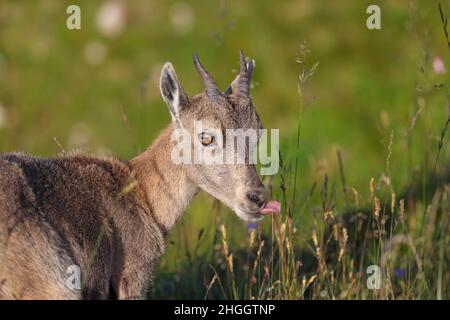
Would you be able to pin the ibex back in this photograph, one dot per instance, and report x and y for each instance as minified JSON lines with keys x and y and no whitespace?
{"x":110,"y":217}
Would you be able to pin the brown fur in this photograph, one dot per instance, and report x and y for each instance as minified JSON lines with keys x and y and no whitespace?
{"x":109,"y":217}
{"x":55,"y":211}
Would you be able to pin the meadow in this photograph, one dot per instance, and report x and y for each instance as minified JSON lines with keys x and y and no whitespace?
{"x":363,"y":116}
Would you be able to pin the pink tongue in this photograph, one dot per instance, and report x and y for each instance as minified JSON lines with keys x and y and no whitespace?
{"x":271,"y":207}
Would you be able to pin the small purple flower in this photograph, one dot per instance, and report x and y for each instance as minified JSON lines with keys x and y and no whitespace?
{"x":399,"y":273}
{"x":251,"y":226}
{"x":438,"y":65}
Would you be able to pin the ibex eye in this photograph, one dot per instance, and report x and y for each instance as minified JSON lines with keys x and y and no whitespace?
{"x":206,"y":138}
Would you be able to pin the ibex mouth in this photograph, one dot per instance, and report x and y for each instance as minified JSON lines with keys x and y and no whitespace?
{"x":270,"y":207}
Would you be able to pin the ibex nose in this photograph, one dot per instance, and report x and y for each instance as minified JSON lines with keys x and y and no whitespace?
{"x":257,"y":197}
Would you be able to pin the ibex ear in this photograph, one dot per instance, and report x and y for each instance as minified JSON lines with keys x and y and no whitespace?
{"x":233,"y":86}
{"x":172,"y":92}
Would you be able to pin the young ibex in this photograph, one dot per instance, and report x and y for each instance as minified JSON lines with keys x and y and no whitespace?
{"x":110,"y":217}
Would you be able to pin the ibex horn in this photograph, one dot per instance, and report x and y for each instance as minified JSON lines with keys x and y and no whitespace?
{"x":211,"y":89}
{"x":245,"y":74}
{"x":244,"y":78}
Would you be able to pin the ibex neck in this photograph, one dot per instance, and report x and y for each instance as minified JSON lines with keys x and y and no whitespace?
{"x":168,"y":189}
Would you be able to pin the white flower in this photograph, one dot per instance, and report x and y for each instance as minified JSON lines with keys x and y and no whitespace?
{"x":111,"y":18}
{"x":182,"y":18}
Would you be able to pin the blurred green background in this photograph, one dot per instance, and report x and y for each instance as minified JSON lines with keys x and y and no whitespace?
{"x":97,"y":88}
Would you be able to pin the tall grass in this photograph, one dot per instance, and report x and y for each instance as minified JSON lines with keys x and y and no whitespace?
{"x":340,"y":247}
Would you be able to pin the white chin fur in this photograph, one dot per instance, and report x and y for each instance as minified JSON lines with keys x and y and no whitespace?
{"x":249,"y":217}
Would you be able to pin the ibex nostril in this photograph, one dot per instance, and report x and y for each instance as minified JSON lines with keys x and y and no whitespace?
{"x":258,"y":198}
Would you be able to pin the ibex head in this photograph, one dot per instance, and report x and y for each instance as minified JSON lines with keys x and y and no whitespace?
{"x":235,"y":183}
